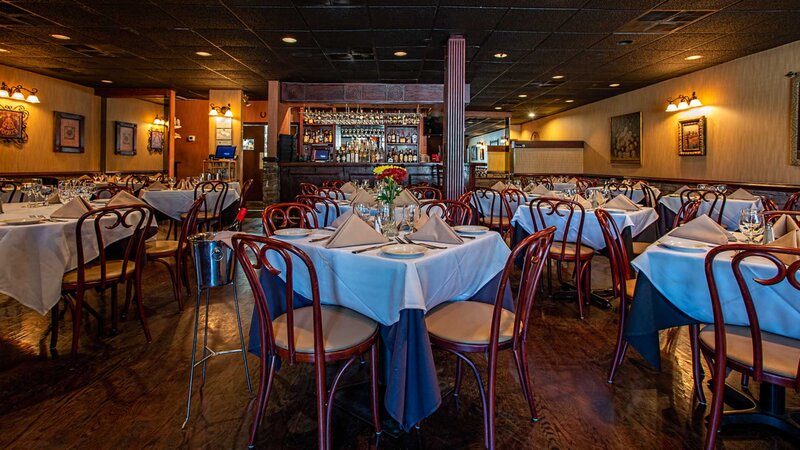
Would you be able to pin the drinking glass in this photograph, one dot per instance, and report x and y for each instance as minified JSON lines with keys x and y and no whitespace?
{"x":721,"y":188}
{"x":702,"y":187}
{"x":27,"y":190}
{"x":171,"y":182}
{"x":46,"y":192}
{"x":362,"y":209}
{"x":751,"y":224}
{"x":64,"y":195}
{"x":410,"y":215}
{"x":386,"y":220}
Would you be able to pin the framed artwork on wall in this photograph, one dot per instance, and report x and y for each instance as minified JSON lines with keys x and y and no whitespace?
{"x":125,"y":138}
{"x":794,"y":124}
{"x":155,"y":140}
{"x":692,"y":137}
{"x":13,"y":124}
{"x":68,"y":132}
{"x":626,"y":139}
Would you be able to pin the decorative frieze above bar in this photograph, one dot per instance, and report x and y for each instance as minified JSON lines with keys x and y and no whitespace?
{"x":364,"y":93}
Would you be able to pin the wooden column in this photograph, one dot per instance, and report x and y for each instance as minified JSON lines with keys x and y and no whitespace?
{"x":454,"y":79}
{"x":169,"y":156}
{"x":273,"y":117}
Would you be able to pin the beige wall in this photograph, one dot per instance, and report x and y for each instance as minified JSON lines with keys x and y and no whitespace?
{"x":142,"y":113}
{"x":747,"y":110}
{"x":37,"y":155}
{"x":223,"y":98}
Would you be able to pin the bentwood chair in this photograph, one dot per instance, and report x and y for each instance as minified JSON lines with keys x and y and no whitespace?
{"x":686,"y":213}
{"x":210,"y":214}
{"x":792,"y":202}
{"x":100,"y":273}
{"x":453,"y":212}
{"x":713,"y":198}
{"x":308,"y":189}
{"x":491,"y":209}
{"x":288,"y":215}
{"x":426,"y":192}
{"x":462,"y":327}
{"x":772,"y":216}
{"x":649,"y":199}
{"x":109,"y":190}
{"x":327,"y":207}
{"x":769,"y":205}
{"x":7,"y":190}
{"x":315,"y":334}
{"x":620,"y":189}
{"x":135,"y":183}
{"x":764,"y":356}
{"x":331,"y":193}
{"x":333,"y":184}
{"x":584,"y":183}
{"x":547,"y":211}
{"x":172,"y":254}
{"x":544,"y":181}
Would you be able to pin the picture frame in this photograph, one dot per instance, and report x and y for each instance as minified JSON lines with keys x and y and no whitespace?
{"x":69,"y":132}
{"x":155,"y":140}
{"x":13,"y":124}
{"x":224,"y":134}
{"x":794,"y":121}
{"x":125,"y":138}
{"x":692,"y":137}
{"x":626,"y":139}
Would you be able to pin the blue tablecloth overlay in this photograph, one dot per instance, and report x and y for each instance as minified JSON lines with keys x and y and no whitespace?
{"x":407,"y":365}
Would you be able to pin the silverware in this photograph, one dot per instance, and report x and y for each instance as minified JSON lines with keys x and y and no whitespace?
{"x":429,"y":246}
{"x":375,"y":247}
{"x":320,"y":239}
{"x":466,"y":237}
{"x":329,"y":228}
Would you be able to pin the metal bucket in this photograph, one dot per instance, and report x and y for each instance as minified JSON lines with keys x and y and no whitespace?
{"x":213,"y":261}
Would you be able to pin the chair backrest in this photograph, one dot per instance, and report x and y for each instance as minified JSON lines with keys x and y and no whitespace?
{"x":329,"y":192}
{"x":136,"y":183}
{"x":617,"y":252}
{"x":650,"y":198}
{"x":792,"y":202}
{"x":769,"y":205}
{"x":585,"y":183}
{"x":109,"y":190}
{"x":426,"y":192}
{"x":160,"y":177}
{"x":308,"y":189}
{"x":246,"y":186}
{"x":135,"y":217}
{"x":257,"y":254}
{"x":512,"y":198}
{"x":8,"y":188}
{"x":741,"y":253}
{"x":620,"y":189}
{"x":333,"y":183}
{"x":215,"y":194}
{"x":772,"y":216}
{"x":686,"y":213}
{"x":453,"y":212}
{"x":713,"y":198}
{"x":329,"y":208}
{"x":544,"y":181}
{"x":547,"y":211}
{"x":489,"y":204}
{"x":189,"y":225}
{"x":288,"y":215}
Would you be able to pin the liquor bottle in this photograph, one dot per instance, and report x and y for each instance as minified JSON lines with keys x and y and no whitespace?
{"x":414,"y":138}
{"x":416,"y":158}
{"x":305,"y":136}
{"x":402,"y":137}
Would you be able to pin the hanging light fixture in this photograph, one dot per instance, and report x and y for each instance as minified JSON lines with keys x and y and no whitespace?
{"x":160,"y":121}
{"x":18,"y":93}
{"x":221,"y":111}
{"x":683,"y":102}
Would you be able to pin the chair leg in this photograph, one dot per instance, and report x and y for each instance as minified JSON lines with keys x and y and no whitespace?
{"x":697,"y":368}
{"x":374,"y":400}
{"x":492,"y":402}
{"x":717,"y":394}
{"x":459,"y":373}
{"x":140,"y":305}
{"x":621,"y":344}
{"x":322,"y":435}
{"x":482,"y":392}
{"x":185,"y":275}
{"x":526,"y":379}
{"x":264,"y":388}
{"x":76,"y":324}
{"x":578,"y":285}
{"x":127,"y":304}
{"x":173,"y":276}
{"x":241,"y":338}
{"x":54,"y":327}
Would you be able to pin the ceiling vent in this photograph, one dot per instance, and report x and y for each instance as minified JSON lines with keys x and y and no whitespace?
{"x":662,"y":21}
{"x":359,"y":54}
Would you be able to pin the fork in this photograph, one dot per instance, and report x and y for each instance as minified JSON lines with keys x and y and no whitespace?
{"x":432,"y":247}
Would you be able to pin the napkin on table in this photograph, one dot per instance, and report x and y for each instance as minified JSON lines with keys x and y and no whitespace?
{"x":124,"y":198}
{"x":53,"y":199}
{"x":355,"y":231}
{"x":342,"y":219}
{"x":703,"y":229}
{"x":622,"y":202}
{"x":540,"y":190}
{"x":784,"y":225}
{"x":362,"y":196}
{"x":74,"y":209}
{"x":348,"y":188}
{"x":598,"y":198}
{"x":84,"y":178}
{"x":421,"y":220}
{"x":405,"y":198}
{"x":156,"y":186}
{"x":572,"y":180}
{"x":681,"y":189}
{"x":578,"y":198}
{"x":436,"y":230}
{"x":789,"y":240}
{"x":742,"y":194}
{"x":499,"y":186}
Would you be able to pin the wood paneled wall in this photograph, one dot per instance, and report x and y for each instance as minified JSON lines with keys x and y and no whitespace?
{"x":142,"y":113}
{"x":194,"y":122}
{"x":746,"y":105}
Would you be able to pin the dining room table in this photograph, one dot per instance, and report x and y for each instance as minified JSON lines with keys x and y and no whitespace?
{"x":174,"y":202}
{"x":637,"y":195}
{"x":396,"y":293}
{"x":670,"y":204}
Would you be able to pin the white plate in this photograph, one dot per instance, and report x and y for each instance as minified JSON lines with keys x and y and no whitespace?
{"x":471,"y":229}
{"x":21,"y":221}
{"x":404,"y":250}
{"x":294,"y":233}
{"x":685,"y":245}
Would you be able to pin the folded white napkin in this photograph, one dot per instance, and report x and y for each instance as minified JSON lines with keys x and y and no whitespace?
{"x":355,"y":231}
{"x":789,"y":240}
{"x":703,"y":229}
{"x":681,"y":189}
{"x":84,"y":178}
{"x":156,"y":186}
{"x":572,"y":180}
{"x":540,"y":190}
{"x":598,"y":198}
{"x":53,"y":199}
{"x":436,"y":230}
{"x":784,"y":225}
{"x":555,"y":194}
{"x":348,"y":188}
{"x":342,"y":219}
{"x":742,"y":194}
{"x":621,"y":202}
{"x":124,"y":198}
{"x":362,"y":196}
{"x":421,"y":220}
{"x":578,"y":198}
{"x":74,"y":209}
{"x":405,"y":198}
{"x":499,"y":186}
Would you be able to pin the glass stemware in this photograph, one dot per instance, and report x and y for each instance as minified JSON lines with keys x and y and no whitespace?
{"x":410,"y":215}
{"x":751,"y":224}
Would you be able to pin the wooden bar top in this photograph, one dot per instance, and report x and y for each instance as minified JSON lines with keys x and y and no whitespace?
{"x":336,"y":164}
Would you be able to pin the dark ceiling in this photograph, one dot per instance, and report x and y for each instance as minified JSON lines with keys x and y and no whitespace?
{"x":153,"y":43}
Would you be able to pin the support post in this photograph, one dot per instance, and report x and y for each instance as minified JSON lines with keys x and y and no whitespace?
{"x":454,"y":102}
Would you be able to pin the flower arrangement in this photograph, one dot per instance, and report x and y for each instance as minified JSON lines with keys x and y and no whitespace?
{"x":391,"y":179}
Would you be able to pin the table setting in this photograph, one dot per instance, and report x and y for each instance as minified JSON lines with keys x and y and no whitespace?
{"x":174,"y":201}
{"x":735,"y":203}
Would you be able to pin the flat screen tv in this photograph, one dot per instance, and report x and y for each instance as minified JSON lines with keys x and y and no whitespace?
{"x":225,"y":152}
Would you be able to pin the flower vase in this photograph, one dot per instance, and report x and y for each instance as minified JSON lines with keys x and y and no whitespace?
{"x":386,"y":215}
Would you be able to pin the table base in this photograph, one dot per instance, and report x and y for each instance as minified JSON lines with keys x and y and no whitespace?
{"x":769,"y":410}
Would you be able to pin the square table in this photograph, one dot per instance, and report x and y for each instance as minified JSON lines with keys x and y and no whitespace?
{"x":730,"y":215}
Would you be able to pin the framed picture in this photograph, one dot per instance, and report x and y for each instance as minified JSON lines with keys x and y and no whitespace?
{"x":794,"y":124}
{"x":125,"y":138}
{"x":155,"y":141}
{"x":692,"y":137}
{"x":626,"y":139}
{"x":13,"y":124}
{"x":68,"y":132}
{"x":224,"y":134}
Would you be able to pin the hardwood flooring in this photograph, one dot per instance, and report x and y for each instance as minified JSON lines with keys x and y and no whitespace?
{"x":124,"y":393}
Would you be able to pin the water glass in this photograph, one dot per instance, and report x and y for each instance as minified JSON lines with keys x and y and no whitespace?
{"x":46,"y":192}
{"x":721,"y":188}
{"x":362,"y":210}
{"x":171,"y":182}
{"x":386,"y":220}
{"x":410,"y":216}
{"x":751,"y":224}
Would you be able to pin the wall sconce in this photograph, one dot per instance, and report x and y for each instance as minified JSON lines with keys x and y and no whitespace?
{"x":684,"y":102}
{"x":159,"y":121}
{"x":221,"y":111}
{"x":16,"y":93}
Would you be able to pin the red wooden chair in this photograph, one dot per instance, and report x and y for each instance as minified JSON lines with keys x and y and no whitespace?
{"x":331,"y":193}
{"x":615,"y":189}
{"x":769,"y":205}
{"x":135,"y":183}
{"x":453,"y":212}
{"x":491,"y":209}
{"x":772,"y":216}
{"x":714,"y":198}
{"x":210,"y":214}
{"x":585,"y":183}
{"x":426,"y":192}
{"x":548,"y":209}
{"x":650,"y":198}
{"x":764,"y":356}
{"x":333,"y":184}
{"x":462,"y":327}
{"x":316,"y":334}
{"x":109,"y":190}
{"x":308,"y":189}
{"x":545,"y":181}
{"x":288,"y":215}
{"x":792,"y":202}
{"x":326,"y":206}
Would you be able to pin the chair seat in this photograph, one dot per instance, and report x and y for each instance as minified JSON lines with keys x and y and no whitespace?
{"x":468,"y":322}
{"x":569,"y":251}
{"x":342,"y":328}
{"x":202,"y":215}
{"x":640,"y":247}
{"x":630,"y":288}
{"x":494,"y":221}
{"x":780,"y":354}
{"x":161,"y":247}
{"x":93,"y":275}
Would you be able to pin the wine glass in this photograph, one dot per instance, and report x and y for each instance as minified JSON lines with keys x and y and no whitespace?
{"x":751,"y":224}
{"x":410,"y":215}
{"x":721,"y":188}
{"x":27,"y":190}
{"x":46,"y":191}
{"x":362,"y":210}
{"x":702,"y":187}
{"x":171,"y":182}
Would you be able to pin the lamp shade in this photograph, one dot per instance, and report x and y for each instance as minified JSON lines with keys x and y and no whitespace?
{"x":228,"y":113}
{"x":17,"y":95}
{"x":32,"y":98}
{"x":695,"y":103}
{"x":4,"y":93}
{"x":213,"y":112}
{"x":683,"y":105}
{"x":672,"y":107}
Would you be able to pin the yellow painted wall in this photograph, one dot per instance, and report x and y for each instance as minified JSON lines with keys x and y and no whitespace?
{"x":142,"y":113}
{"x":223,"y":98}
{"x":37,"y":155}
{"x":747,"y":110}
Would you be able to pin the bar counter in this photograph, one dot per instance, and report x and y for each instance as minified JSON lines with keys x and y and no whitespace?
{"x":294,"y":173}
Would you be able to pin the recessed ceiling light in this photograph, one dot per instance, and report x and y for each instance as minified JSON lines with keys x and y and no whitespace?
{"x":501,"y":55}
{"x":106,"y":81}
{"x":2,"y":50}
{"x":693,"y":57}
{"x":625,"y":42}
{"x":522,"y":95}
{"x":62,"y":37}
{"x":531,"y":115}
{"x":558,"y":77}
{"x":498,"y":107}
{"x":400,"y":53}
{"x":569,"y":101}
{"x":613,"y":85}
{"x":202,"y":53}
{"x":289,"y":40}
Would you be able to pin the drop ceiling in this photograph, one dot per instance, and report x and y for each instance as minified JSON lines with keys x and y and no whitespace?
{"x":591,"y":43}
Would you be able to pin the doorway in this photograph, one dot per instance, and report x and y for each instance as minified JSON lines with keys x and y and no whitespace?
{"x":254,"y":147}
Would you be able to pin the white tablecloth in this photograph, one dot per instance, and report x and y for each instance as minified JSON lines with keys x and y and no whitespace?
{"x":730,"y":215}
{"x":380,"y":287}
{"x":680,"y":277}
{"x":35,"y":257}
{"x":564,"y":186}
{"x":343,"y":208}
{"x":592,"y":234}
{"x":637,"y":195}
{"x":175,"y":202}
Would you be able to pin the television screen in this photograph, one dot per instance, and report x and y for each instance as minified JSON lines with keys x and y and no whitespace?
{"x":225,"y":152}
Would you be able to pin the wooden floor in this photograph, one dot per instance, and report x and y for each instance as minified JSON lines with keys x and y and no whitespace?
{"x":125,"y":393}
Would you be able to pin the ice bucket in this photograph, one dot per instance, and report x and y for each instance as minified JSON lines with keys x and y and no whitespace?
{"x":213,"y":261}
